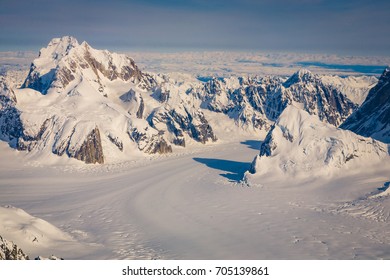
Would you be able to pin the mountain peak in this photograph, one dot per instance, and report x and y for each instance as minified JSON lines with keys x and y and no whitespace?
{"x":302,"y":75}
{"x":58,"y":47}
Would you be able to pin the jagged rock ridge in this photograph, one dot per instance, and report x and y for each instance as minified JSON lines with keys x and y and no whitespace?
{"x":98,"y":106}
{"x":10,"y":251}
{"x":97,"y":100}
{"x":373,"y":116}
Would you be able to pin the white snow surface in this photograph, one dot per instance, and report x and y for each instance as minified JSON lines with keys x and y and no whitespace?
{"x":191,"y":204}
{"x":32,"y":234}
{"x":194,"y":206}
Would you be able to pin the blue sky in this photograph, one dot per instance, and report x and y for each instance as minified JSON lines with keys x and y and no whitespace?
{"x":330,"y":26}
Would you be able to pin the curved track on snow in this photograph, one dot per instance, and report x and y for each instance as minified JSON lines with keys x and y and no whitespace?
{"x":193,"y":207}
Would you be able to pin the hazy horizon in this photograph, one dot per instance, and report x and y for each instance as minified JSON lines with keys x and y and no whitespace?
{"x":352,"y":27}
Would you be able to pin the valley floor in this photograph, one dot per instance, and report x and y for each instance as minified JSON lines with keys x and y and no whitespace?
{"x":193,"y":206}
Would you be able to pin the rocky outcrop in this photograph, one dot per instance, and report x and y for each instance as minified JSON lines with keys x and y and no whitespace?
{"x":10,"y":251}
{"x":11,"y":127}
{"x":150,"y":143}
{"x":116,"y":141}
{"x":258,"y":102}
{"x":28,"y":141}
{"x":373,"y":116}
{"x":91,"y":150}
{"x":180,"y":120}
{"x":325,"y":101}
{"x":141,"y":108}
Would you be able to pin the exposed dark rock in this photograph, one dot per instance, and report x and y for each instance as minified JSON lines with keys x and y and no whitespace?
{"x":178,"y":122}
{"x":179,"y":141}
{"x":372,"y":118}
{"x":150,"y":144}
{"x":268,"y":145}
{"x":116,"y":142}
{"x":201,"y":130}
{"x":11,"y":127}
{"x":65,"y":76}
{"x":317,"y":98}
{"x":91,"y":150}
{"x":258,"y":102}
{"x":10,"y":251}
{"x":158,"y":145}
{"x":140,"y":110}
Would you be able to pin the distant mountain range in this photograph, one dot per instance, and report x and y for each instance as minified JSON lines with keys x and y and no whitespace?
{"x":97,"y":106}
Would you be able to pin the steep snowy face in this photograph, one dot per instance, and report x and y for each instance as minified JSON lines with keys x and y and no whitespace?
{"x":65,"y":62}
{"x":373,"y":116}
{"x":301,"y":144}
{"x":355,"y":88}
{"x":318,"y":98}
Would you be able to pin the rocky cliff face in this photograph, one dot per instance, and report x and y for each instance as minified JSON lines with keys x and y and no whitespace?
{"x":258,"y":102}
{"x":91,"y":150}
{"x":373,"y":116}
{"x":325,"y":101}
{"x":10,"y":251}
{"x":10,"y":124}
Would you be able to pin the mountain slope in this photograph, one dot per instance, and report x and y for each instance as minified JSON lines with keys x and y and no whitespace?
{"x":258,"y":102}
{"x":318,"y":98}
{"x":373,"y":116}
{"x":97,"y":106}
{"x":300,"y":144}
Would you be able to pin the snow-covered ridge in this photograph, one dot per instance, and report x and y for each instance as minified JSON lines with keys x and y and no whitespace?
{"x":355,"y":88}
{"x":97,"y":106}
{"x":300,"y":144}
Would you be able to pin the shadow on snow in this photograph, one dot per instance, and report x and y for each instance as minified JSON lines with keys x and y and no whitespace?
{"x":235,"y":170}
{"x":252,"y":144}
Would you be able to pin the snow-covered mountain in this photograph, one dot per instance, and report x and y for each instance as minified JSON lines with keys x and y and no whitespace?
{"x":355,"y":88}
{"x":258,"y":102}
{"x":97,"y":106}
{"x":301,"y":144}
{"x":373,"y":116}
{"x":318,"y":98}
